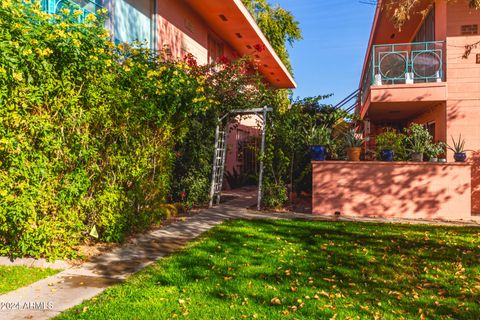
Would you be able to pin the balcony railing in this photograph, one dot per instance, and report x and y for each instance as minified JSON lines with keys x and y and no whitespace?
{"x":405,"y":63}
{"x":86,"y":6}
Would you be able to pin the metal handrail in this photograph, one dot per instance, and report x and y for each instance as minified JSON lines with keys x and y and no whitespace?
{"x":409,"y":52}
{"x":372,"y":76}
{"x":406,"y":43}
{"x":54,"y":6}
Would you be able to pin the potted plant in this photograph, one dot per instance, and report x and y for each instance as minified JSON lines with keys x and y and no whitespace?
{"x":419,"y":140}
{"x":458,"y":149}
{"x":390,"y":145}
{"x":319,"y":139}
{"x":353,"y":144}
{"x":434,"y":150}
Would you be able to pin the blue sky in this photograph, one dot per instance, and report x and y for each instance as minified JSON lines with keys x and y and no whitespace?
{"x":330,"y":57}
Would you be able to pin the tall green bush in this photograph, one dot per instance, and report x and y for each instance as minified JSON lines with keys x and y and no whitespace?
{"x":87,"y":131}
{"x":287,"y":158}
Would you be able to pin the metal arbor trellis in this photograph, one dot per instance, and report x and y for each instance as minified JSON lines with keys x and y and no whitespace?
{"x":220,"y":153}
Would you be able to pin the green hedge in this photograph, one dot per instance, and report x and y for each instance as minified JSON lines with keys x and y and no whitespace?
{"x":87,"y":131}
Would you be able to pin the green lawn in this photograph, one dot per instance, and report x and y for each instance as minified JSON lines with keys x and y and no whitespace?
{"x":306,"y":270}
{"x":12,"y":278}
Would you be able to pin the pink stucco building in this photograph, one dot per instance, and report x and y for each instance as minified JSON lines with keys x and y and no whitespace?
{"x":205,"y":29}
{"x":422,"y":73}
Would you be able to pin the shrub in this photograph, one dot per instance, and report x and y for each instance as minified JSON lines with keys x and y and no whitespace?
{"x":87,"y":131}
{"x":274,"y":195}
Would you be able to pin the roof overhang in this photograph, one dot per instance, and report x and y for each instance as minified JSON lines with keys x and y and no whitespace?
{"x":231,"y":20}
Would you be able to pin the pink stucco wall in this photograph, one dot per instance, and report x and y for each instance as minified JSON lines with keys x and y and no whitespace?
{"x":182,"y":31}
{"x":463,"y":77}
{"x":458,"y":111}
{"x":392,"y":190}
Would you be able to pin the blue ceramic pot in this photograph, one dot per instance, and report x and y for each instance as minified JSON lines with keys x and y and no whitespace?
{"x":460,"y":157}
{"x":387,"y":155}
{"x":319,"y":153}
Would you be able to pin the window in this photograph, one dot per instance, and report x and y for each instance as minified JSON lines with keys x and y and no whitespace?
{"x":470,"y":29}
{"x":87,"y":6}
{"x":430,"y":126}
{"x":133,"y":21}
{"x":426,"y":33}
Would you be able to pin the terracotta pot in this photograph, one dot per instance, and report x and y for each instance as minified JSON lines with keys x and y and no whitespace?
{"x":353,"y":154}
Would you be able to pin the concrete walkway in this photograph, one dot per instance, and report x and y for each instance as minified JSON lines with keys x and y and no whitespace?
{"x":77,"y":284}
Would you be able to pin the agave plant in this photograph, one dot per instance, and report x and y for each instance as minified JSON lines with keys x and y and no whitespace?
{"x":352,"y":139}
{"x":458,"y":145}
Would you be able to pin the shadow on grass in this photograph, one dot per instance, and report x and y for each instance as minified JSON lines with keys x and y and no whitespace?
{"x":315,"y":270}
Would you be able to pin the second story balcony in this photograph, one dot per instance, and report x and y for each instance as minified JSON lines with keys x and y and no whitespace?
{"x":404,"y":73}
{"x":408,"y":63}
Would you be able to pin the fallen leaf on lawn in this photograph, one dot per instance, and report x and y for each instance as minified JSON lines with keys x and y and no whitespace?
{"x":323,"y":293}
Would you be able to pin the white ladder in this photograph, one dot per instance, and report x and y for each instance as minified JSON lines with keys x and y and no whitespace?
{"x":219,"y":158}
